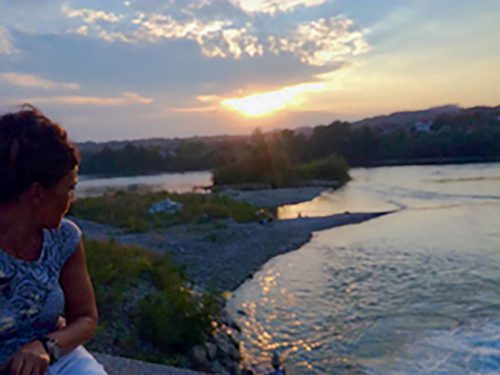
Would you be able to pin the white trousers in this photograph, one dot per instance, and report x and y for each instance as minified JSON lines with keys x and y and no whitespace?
{"x":77,"y":362}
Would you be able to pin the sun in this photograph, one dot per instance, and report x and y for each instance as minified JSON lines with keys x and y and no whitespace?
{"x":258,"y":105}
{"x":268,"y":103}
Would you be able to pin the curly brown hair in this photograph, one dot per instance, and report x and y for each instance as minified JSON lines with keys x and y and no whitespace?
{"x":32,"y":149}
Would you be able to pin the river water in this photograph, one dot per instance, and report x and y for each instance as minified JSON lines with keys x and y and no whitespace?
{"x":413,"y":292}
{"x":175,"y":182}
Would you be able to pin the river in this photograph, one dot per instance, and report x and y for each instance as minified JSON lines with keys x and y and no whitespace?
{"x":89,"y":186}
{"x":413,"y":292}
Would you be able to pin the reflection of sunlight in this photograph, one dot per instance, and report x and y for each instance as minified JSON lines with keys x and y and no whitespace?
{"x":268,"y":283}
{"x":267,"y":103}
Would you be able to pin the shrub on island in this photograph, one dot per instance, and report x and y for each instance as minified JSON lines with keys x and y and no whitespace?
{"x":277,"y":172}
{"x":332,"y":168}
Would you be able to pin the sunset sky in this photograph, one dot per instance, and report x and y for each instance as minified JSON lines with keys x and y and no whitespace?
{"x":149,"y":68}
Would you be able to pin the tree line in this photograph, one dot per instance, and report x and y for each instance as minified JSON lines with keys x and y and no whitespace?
{"x":464,"y":135}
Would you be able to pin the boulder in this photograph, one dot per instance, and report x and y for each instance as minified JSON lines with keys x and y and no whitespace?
{"x":234,"y":353}
{"x":211,"y":350}
{"x":165,"y":206}
{"x":199,"y":355}
{"x":219,"y":369}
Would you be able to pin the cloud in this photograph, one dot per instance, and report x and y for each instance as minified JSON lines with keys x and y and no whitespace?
{"x":273,"y":6}
{"x":203,"y":109}
{"x":210,"y":103}
{"x":90,"y":15}
{"x":126,"y":98}
{"x":217,"y":38}
{"x":240,"y":42}
{"x":316,"y":43}
{"x":207,"y":98}
{"x":82,"y":30}
{"x":112,"y":36}
{"x":6,"y":46}
{"x":33,"y":81}
{"x":155,"y":26}
{"x":322,"y":42}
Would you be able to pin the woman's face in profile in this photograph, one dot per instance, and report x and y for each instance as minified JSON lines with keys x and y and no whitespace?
{"x":57,"y":200}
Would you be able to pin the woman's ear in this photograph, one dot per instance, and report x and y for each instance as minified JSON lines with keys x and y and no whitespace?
{"x":35,"y":194}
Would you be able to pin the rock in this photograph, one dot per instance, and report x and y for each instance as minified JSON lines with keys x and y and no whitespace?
{"x":219,"y":369}
{"x":211,"y":350}
{"x":166,"y":206}
{"x":234,"y":353}
{"x":199,"y":355}
{"x":234,"y":369}
{"x":229,"y":321}
{"x":236,"y":326}
{"x":223,"y":344}
{"x":235,"y":337}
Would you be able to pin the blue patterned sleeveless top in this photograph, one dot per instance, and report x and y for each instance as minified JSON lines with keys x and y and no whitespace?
{"x":31,"y":298}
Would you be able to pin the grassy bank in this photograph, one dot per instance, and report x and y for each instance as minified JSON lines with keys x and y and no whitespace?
{"x":129,"y":210}
{"x":146,"y":310}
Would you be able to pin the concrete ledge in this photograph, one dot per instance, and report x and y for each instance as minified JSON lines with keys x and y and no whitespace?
{"x":127,"y":366}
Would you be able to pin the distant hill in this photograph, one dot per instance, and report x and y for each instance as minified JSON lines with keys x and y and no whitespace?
{"x":165,"y":144}
{"x":437,"y":135}
{"x":392,"y":121}
{"x":407,"y":118}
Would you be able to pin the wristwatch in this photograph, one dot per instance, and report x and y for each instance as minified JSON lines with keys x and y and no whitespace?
{"x":52,"y":347}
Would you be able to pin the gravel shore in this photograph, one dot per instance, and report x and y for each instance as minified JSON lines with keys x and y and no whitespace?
{"x":223,"y":254}
{"x":269,"y":198}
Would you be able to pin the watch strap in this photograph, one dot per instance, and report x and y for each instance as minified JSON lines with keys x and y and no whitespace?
{"x":48,"y":348}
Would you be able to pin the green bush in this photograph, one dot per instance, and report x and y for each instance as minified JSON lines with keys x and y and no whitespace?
{"x":281,"y":174}
{"x":130,"y":210}
{"x":162,"y":324}
{"x":331,"y":168}
{"x":114,"y":268}
{"x":174,"y":321}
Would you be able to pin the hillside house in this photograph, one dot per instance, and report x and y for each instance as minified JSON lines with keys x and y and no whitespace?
{"x":424,"y":126}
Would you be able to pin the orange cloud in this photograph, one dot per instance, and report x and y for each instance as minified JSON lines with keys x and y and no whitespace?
{"x":127,"y":98}
{"x":33,"y":81}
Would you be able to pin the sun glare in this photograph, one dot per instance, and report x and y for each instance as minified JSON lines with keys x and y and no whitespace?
{"x":267,"y":103}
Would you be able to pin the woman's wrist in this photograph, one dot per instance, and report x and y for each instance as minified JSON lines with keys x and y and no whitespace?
{"x":74,"y":334}
{"x":52,"y":348}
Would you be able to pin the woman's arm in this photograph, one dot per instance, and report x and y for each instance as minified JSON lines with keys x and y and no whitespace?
{"x":80,"y":308}
{"x":81,"y":318}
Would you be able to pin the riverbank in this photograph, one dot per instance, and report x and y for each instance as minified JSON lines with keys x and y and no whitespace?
{"x":223,"y":254}
{"x":428,"y":161}
{"x":272,"y":198}
{"x":219,"y":256}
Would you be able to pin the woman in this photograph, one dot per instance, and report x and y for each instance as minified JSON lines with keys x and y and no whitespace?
{"x":43,"y":273}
